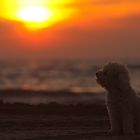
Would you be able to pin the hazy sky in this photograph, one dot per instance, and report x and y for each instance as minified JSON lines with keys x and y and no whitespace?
{"x":82,"y":29}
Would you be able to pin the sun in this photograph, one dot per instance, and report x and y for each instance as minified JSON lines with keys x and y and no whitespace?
{"x":34,"y":16}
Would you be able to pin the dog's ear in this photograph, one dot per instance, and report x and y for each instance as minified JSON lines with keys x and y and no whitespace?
{"x":123,"y":81}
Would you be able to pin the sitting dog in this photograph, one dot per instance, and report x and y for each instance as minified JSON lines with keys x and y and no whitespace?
{"x":123,"y":104}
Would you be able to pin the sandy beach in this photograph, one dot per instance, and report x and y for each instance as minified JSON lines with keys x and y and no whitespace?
{"x":43,"y":127}
{"x":21,"y":121}
{"x":54,"y":121}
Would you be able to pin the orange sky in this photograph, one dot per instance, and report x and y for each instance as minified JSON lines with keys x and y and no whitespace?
{"x":81,"y":29}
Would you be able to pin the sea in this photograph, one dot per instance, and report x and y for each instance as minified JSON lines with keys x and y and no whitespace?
{"x":75,"y":76}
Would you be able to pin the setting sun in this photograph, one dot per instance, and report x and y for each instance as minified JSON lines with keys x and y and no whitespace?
{"x":34,"y":17}
{"x":34,"y":14}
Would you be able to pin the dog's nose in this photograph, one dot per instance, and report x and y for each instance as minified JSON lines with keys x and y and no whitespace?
{"x":97,"y":74}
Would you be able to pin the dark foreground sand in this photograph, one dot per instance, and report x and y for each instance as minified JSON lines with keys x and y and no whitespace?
{"x":55,"y":121}
{"x":52,"y":121}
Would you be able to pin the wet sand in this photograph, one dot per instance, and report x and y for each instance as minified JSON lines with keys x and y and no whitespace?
{"x":52,"y":121}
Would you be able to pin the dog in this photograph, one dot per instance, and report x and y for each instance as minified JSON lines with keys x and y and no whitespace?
{"x":123,"y":103}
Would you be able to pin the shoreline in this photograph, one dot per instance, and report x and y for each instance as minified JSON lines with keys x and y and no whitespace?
{"x":45,"y":97}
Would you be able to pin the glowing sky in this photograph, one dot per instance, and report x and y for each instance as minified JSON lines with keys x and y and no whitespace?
{"x":70,"y":29}
{"x":50,"y":11}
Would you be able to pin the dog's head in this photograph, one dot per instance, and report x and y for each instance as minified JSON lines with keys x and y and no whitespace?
{"x":113,"y":76}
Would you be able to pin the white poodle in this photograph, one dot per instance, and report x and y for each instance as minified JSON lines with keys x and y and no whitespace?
{"x":123,"y":103}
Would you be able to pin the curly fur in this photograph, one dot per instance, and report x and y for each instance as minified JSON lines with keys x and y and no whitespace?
{"x":122,"y":102}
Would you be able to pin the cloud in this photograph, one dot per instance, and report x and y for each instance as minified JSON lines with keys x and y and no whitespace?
{"x":83,"y":3}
